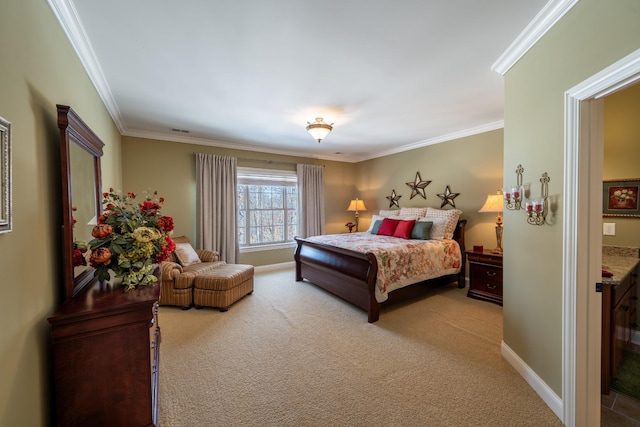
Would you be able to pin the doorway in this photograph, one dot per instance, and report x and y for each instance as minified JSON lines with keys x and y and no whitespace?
{"x":582,"y":240}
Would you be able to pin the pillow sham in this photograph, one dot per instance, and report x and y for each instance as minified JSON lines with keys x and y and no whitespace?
{"x":388,"y":227}
{"x":421,"y":230}
{"x":403,"y":230}
{"x":450,"y":215}
{"x":388,"y":213}
{"x":186,"y":255}
{"x":438,"y":225}
{"x":413,"y":211}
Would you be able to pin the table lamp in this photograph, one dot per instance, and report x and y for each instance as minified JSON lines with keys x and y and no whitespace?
{"x":355,"y":206}
{"x":494,"y":204}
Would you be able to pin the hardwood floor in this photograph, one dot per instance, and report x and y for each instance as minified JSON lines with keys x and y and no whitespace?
{"x":619,"y":410}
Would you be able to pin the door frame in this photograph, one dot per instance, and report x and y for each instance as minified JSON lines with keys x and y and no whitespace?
{"x":582,"y":238}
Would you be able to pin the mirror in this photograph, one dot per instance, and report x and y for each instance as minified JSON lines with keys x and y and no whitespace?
{"x":80,"y":153}
{"x":5,"y":176}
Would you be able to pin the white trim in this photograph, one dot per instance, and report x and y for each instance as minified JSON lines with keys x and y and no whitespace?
{"x":537,"y":28}
{"x":263,"y":248}
{"x":635,"y":339}
{"x":575,"y":233}
{"x":273,"y":267}
{"x":544,"y":391}
{"x":67,"y":16}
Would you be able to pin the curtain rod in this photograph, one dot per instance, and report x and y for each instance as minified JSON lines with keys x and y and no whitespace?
{"x":271,"y":162}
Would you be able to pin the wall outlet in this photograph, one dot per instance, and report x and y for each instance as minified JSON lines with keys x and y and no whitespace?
{"x":609,"y":229}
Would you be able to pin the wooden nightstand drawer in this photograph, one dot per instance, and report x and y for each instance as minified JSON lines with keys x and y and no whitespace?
{"x":485,"y":276}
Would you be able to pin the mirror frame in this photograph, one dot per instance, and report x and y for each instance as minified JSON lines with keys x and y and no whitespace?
{"x":74,"y":130}
{"x":5,"y":179}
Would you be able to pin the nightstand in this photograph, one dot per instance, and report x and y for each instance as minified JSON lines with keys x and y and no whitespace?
{"x":485,"y":276}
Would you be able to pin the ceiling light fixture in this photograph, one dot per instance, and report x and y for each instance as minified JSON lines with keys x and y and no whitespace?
{"x":319,"y":129}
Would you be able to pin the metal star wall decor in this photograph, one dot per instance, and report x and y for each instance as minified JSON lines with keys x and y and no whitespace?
{"x":417,"y":186}
{"x":447,"y":197}
{"x":393,"y":199}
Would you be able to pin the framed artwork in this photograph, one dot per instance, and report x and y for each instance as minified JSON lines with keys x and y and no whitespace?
{"x":5,"y":176}
{"x":620,"y":198}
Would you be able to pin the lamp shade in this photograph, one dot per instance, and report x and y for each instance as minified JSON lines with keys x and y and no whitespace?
{"x":356,"y":205}
{"x":494,"y":203}
{"x":319,"y":129}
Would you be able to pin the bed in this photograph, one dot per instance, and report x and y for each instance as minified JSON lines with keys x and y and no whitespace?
{"x":353,"y":274}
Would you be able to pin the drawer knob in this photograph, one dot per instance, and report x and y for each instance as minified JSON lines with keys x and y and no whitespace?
{"x":490,"y":286}
{"x":491,"y":273}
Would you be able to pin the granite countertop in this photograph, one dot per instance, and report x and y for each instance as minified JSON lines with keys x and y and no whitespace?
{"x":620,"y":266}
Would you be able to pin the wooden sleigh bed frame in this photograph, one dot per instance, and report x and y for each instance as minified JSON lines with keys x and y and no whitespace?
{"x":352,"y":275}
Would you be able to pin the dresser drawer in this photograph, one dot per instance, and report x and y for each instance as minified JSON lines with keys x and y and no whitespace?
{"x":474,"y":257}
{"x":486,"y":278}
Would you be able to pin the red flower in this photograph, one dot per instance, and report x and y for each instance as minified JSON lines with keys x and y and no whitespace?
{"x":78,"y":258}
{"x":101,"y":231}
{"x":166,"y":223}
{"x":166,"y":250}
{"x":100,"y":256}
{"x":109,"y":207}
{"x":149,"y":205}
{"x":161,"y":199}
{"x":105,"y":194}
{"x":131,"y":194}
{"x":103,"y":217}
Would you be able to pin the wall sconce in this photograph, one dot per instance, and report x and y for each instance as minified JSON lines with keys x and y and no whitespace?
{"x":355,"y":206}
{"x":537,"y":208}
{"x":513,"y":195}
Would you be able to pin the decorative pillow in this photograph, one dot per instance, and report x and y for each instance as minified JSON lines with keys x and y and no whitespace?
{"x":403,"y":230}
{"x":421,"y":230}
{"x":385,"y":214}
{"x":436,"y":232}
{"x":450,"y":215}
{"x":413,"y":211}
{"x":376,"y":226}
{"x":186,"y":255}
{"x":374,"y":218}
{"x":388,"y":227}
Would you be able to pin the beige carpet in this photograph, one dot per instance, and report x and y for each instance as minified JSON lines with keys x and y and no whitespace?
{"x":292,"y":355}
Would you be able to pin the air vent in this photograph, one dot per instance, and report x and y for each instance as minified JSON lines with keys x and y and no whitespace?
{"x":179,"y":130}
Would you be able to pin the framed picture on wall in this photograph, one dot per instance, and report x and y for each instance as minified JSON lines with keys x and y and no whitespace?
{"x":620,"y":198}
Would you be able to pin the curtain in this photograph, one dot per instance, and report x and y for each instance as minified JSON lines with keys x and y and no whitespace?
{"x":311,"y":196}
{"x":216,"y":209}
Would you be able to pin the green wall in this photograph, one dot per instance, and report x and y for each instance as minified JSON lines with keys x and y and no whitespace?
{"x":593,"y":35}
{"x":170,"y":168}
{"x":471,"y":166}
{"x":621,"y":154}
{"x":39,"y":69}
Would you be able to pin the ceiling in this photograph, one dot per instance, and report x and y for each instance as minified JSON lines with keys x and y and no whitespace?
{"x":247,"y":74}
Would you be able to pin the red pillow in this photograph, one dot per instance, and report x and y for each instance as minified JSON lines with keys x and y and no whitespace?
{"x":388,"y":227}
{"x":403,"y":230}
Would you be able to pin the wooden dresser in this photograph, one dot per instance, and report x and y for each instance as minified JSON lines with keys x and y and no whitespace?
{"x":105,"y":355}
{"x":619,"y":319}
{"x":485,"y":276}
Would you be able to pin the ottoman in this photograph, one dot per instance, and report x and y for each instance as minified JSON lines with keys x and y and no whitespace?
{"x":223,"y":286}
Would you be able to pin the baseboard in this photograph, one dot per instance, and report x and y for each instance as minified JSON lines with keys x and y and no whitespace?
{"x":272,"y":267}
{"x":635,"y":339}
{"x":544,"y":391}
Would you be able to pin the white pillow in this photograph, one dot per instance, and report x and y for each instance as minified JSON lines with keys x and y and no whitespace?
{"x":387,"y":213}
{"x":451,"y":215}
{"x":186,"y":255}
{"x":413,"y":211}
{"x":438,"y":228}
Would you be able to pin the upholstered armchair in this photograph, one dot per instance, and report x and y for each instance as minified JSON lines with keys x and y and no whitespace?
{"x":180,"y":270}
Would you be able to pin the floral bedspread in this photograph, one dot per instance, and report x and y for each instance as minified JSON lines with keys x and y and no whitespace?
{"x":401,"y":262}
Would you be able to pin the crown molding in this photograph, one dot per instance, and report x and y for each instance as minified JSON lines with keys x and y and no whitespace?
{"x":67,"y":16}
{"x":235,"y":146}
{"x":439,"y":139}
{"x":551,"y":13}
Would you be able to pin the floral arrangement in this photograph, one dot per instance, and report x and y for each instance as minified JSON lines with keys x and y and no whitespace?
{"x":350,"y":226}
{"x":130,"y":238}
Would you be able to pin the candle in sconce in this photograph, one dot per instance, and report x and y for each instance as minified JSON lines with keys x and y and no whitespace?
{"x":537,"y":205}
{"x":528,"y":205}
{"x":516,"y":192}
{"x":506,"y":194}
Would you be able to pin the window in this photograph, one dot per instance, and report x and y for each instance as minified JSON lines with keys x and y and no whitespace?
{"x":267,"y":207}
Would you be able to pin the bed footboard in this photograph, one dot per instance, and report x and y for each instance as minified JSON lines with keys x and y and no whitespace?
{"x":347,"y":274}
